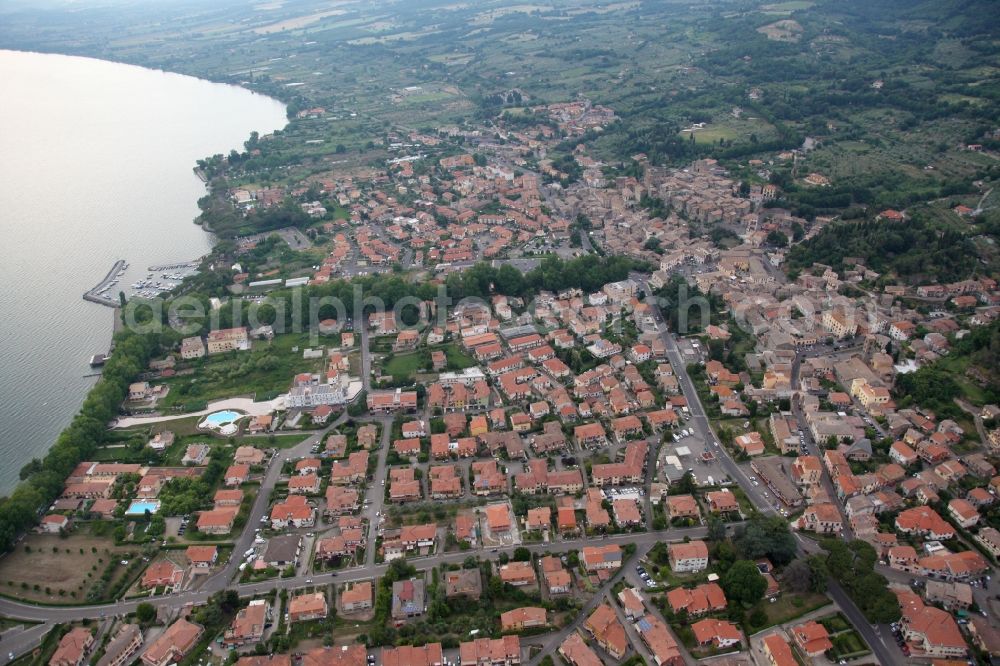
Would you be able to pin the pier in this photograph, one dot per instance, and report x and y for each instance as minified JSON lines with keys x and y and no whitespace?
{"x":97,"y":295}
{"x":173,"y":267}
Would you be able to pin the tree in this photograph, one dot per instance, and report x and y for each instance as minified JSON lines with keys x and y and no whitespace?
{"x":716,"y":528}
{"x":758,"y":618}
{"x":852,"y":565}
{"x":798,"y":576}
{"x":145,"y":612}
{"x":522,"y":554}
{"x":777,"y":239}
{"x":767,"y":536}
{"x":743,"y":583}
{"x":687,"y":484}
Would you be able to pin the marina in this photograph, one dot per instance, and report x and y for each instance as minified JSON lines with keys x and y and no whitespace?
{"x":100,"y":293}
{"x":150,"y":286}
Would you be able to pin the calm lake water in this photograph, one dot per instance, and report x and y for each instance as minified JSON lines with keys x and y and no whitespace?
{"x":95,"y":165}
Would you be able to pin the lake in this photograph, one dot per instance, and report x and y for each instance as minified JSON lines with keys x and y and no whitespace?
{"x":96,"y":166}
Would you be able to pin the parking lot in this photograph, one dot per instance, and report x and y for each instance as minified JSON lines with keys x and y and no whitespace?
{"x":686,"y":451}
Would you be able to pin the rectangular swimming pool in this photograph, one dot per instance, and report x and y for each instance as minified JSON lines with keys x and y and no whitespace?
{"x":140,"y":507}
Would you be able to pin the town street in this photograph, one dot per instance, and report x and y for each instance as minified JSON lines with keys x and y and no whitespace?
{"x":22,"y":640}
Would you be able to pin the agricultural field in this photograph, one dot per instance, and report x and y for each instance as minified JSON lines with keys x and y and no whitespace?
{"x":52,"y":569}
{"x":795,"y":69}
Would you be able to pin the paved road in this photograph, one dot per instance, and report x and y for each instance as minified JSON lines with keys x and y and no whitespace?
{"x":22,"y":639}
{"x":366,"y":355}
{"x":220,"y":580}
{"x":699,"y":420}
{"x":814,"y":448}
{"x":555,"y":639}
{"x":376,"y":491}
{"x":18,"y":610}
{"x":248,"y":405}
{"x":643,"y":541}
{"x":887,"y":655}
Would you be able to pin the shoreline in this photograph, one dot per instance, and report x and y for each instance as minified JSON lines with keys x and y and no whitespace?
{"x":270,"y":114}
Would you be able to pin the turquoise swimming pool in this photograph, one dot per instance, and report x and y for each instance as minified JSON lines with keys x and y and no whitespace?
{"x":140,"y":507}
{"x":219,"y":419}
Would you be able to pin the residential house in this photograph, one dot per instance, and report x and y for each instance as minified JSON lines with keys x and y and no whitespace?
{"x":575,"y":651}
{"x":924,"y":521}
{"x":305,"y":607}
{"x":73,"y":647}
{"x":557,"y":579}
{"x":121,"y":649}
{"x":505,"y":651}
{"x":812,"y":639}
{"x":407,"y":598}
{"x":163,"y":573}
{"x":518,"y":574}
{"x":429,"y":654}
{"x":931,"y":630}
{"x":202,"y":558}
{"x":682,"y":506}
{"x":295,"y":511}
{"x":217,"y":521}
{"x":722,"y":501}
{"x":282,"y":551}
{"x":237,"y":475}
{"x":661,"y":643}
{"x":596,"y":558}
{"x":607,"y":630}
{"x":248,"y":625}
{"x":520,"y":619}
{"x":464,"y":582}
{"x":632,"y":603}
{"x":718,"y":633}
{"x":688,"y":557}
{"x":173,"y":644}
{"x":697,"y":601}
{"x":357,"y":597}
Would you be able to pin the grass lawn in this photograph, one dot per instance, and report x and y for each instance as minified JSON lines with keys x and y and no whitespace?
{"x":279,"y":442}
{"x":746,"y":506}
{"x":186,"y":432}
{"x":786,"y":7}
{"x":711,"y":135}
{"x":791,"y":605}
{"x":404,"y":365}
{"x":956,"y":368}
{"x":264,"y":372}
{"x":835,"y":623}
{"x":457,"y":359}
{"x":666,"y":577}
{"x":848,"y":643}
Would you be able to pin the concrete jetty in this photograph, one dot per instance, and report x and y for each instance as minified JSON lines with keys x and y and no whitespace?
{"x":96,"y":295}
